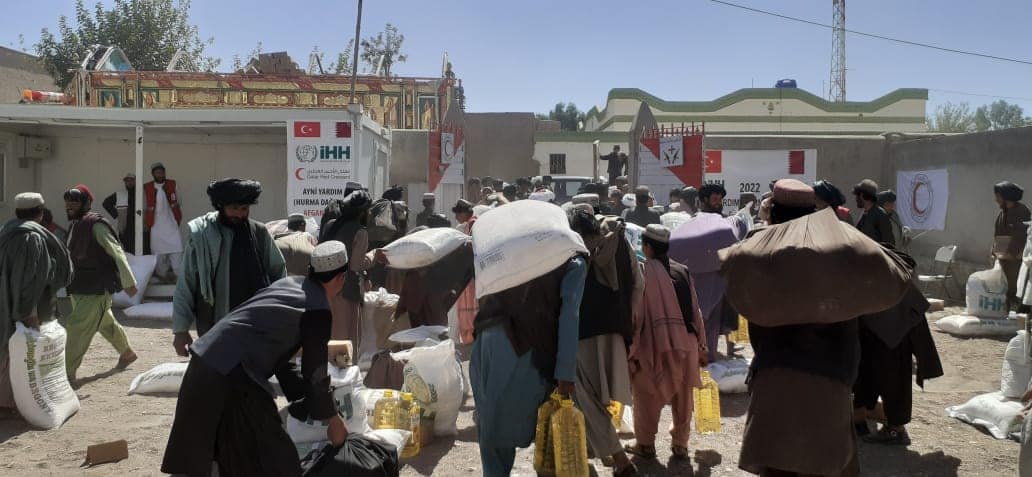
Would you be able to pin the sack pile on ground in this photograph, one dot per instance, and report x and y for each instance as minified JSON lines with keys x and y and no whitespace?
{"x":730,"y":375}
{"x":159,"y":310}
{"x":987,"y":293}
{"x":992,"y":411}
{"x":377,"y":316}
{"x":972,"y":326}
{"x":1017,"y":369}
{"x":434,"y":377}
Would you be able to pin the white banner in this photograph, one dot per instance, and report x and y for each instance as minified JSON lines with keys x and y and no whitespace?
{"x":320,"y":160}
{"x":751,"y":171}
{"x":922,"y":198}
{"x":454,"y":155}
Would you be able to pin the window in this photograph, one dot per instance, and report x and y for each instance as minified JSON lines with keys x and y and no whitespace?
{"x":557,"y":163}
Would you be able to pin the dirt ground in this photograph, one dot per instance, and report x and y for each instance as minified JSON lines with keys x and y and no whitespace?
{"x":941,"y":446}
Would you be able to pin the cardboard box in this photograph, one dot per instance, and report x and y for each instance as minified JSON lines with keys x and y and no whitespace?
{"x":107,"y":452}
{"x":340,"y":353}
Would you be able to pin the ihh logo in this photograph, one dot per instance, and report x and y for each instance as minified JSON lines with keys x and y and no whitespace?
{"x":990,"y":304}
{"x":335,"y":153}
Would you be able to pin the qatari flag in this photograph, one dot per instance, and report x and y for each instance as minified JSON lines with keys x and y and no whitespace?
{"x":796,"y":162}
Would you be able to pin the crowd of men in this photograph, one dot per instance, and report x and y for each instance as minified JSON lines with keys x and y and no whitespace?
{"x":605,"y":326}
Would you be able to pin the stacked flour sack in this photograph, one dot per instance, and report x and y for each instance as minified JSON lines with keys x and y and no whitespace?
{"x":986,"y":313}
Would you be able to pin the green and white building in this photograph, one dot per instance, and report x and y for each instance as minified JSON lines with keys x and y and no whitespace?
{"x":746,"y":112}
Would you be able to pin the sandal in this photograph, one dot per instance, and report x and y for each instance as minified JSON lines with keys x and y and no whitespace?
{"x":680,"y":452}
{"x":644,"y":452}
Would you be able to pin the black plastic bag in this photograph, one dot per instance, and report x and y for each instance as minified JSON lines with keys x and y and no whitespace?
{"x":358,"y":457}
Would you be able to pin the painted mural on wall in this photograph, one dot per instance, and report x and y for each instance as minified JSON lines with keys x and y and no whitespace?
{"x":400,"y":102}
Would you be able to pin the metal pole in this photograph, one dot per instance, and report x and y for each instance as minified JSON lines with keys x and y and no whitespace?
{"x":138,"y":192}
{"x":594,"y":160}
{"x":354,"y":59}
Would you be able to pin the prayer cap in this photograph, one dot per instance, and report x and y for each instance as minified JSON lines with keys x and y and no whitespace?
{"x":329,"y":256}
{"x":429,"y":196}
{"x":157,"y":165}
{"x":1009,"y":191}
{"x":28,"y":200}
{"x":658,"y":233}
{"x":793,"y":193}
{"x":629,"y":200}
{"x":129,"y":175}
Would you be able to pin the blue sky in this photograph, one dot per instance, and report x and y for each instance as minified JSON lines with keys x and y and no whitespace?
{"x":526,"y":55}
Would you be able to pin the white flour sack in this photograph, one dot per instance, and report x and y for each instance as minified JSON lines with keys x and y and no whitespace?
{"x":987,"y":293}
{"x":38,"y":377}
{"x":142,"y":267}
{"x":424,"y":247}
{"x":163,"y":378}
{"x":519,"y":242}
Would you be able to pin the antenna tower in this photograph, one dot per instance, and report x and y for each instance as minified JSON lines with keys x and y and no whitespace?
{"x":837,"y":85}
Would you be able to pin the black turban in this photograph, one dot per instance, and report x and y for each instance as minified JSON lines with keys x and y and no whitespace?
{"x":1009,"y":191}
{"x":827,"y":192}
{"x":710,"y":189}
{"x":233,"y":192}
{"x":394,"y":193}
{"x":886,"y":197}
{"x":436,"y":221}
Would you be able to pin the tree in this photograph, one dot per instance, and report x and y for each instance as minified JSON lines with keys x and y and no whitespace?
{"x":150,"y":32}
{"x":567,"y":114}
{"x":386,"y":44}
{"x":1000,"y":115}
{"x":343,"y":65}
{"x":952,"y":118}
{"x":239,"y":64}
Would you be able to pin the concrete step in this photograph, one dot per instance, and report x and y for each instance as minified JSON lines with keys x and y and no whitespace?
{"x":155,"y":290}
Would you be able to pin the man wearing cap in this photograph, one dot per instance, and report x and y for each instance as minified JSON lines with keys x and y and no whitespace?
{"x":161,"y":219}
{"x":228,"y":258}
{"x":296,"y":245}
{"x":428,"y":209}
{"x":122,"y":207}
{"x":1010,"y":232}
{"x":800,"y":413}
{"x":522,"y":188}
{"x":642,"y":215}
{"x":226,"y":411}
{"x":874,"y":222}
{"x":667,"y":353}
{"x":101,"y":270}
{"x":34,"y":264}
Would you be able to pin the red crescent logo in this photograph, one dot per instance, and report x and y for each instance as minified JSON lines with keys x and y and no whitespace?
{"x":913,"y":198}
{"x":297,"y":173}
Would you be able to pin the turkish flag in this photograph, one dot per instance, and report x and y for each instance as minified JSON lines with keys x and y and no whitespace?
{"x":714,"y":162}
{"x":796,"y":162}
{"x":307,"y":129}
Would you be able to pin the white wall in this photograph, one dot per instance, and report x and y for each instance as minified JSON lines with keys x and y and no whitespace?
{"x":578,"y":156}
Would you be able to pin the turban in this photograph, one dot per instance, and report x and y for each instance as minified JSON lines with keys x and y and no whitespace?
{"x":234,"y":192}
{"x":830,"y":194}
{"x":1009,"y":191}
{"x":79,"y":193}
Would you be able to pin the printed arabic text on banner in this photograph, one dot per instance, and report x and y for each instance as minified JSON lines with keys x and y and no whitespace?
{"x":320,"y":160}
